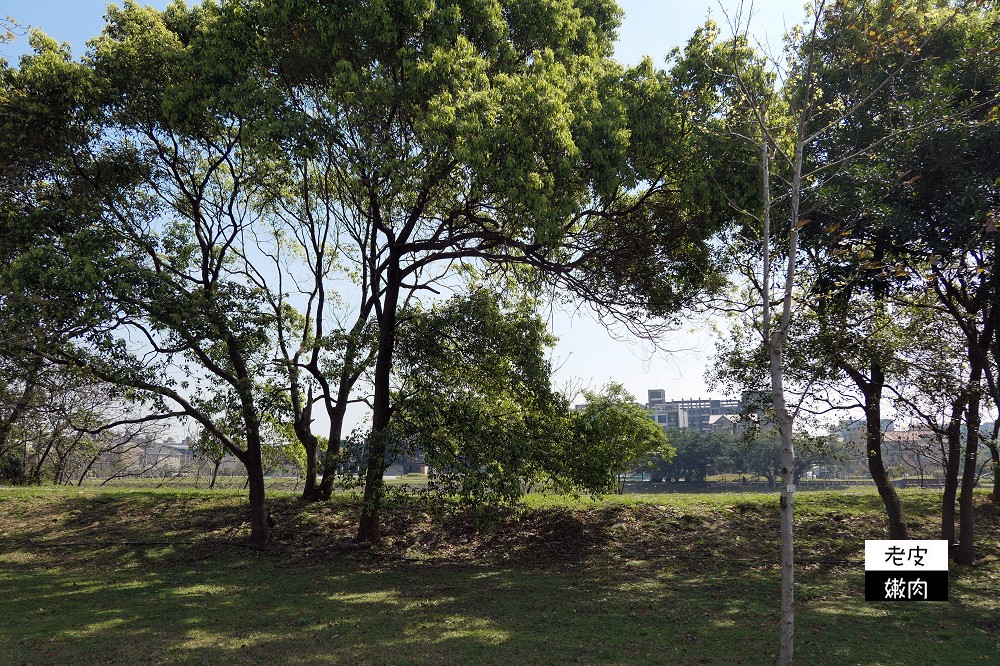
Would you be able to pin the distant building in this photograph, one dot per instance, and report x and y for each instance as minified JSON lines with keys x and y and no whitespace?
{"x":406,"y":463}
{"x":723,"y":423}
{"x":853,"y":432}
{"x":143,"y":455}
{"x":704,"y":415}
{"x":907,"y":448}
{"x":910,"y":447}
{"x":166,"y":456}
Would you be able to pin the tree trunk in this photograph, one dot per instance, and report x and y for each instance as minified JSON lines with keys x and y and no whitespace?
{"x":35,"y":476}
{"x":774,"y":339}
{"x":951,"y":469}
{"x":215,"y":472}
{"x":873,"y":445}
{"x":920,"y":467}
{"x":325,"y":488}
{"x":311,"y":446}
{"x":349,"y":374}
{"x":259,"y":535}
{"x":787,"y":503}
{"x":369,"y":528}
{"x":253,"y":461}
{"x":995,"y":462}
{"x":86,"y":470}
{"x":966,"y":503}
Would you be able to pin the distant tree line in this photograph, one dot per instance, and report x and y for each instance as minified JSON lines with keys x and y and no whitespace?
{"x":753,"y":455}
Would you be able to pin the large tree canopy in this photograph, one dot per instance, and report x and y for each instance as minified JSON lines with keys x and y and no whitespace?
{"x":501,"y":135}
{"x":267,"y":185}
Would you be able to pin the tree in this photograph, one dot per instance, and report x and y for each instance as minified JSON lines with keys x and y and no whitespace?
{"x":58,"y":423}
{"x":149,"y":181}
{"x":458,"y":134}
{"x":610,"y":436}
{"x":916,"y":215}
{"x":19,"y":394}
{"x":696,"y":452}
{"x":475,"y":399}
{"x":474,"y":396}
{"x":65,"y":432}
{"x":390,"y":143}
{"x":795,"y":129}
{"x":855,"y":351}
{"x":779,"y":127}
{"x":54,"y":255}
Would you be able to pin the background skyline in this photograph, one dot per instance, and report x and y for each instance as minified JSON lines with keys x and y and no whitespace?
{"x":587,"y":354}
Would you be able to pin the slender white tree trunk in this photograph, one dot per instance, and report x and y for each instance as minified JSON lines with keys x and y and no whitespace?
{"x":786,"y":656}
{"x":774,"y":339}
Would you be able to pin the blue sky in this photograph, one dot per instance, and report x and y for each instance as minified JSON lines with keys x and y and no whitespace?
{"x":650,"y":27}
{"x":586,"y":352}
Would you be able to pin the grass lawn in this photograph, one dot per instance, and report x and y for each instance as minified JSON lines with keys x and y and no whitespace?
{"x":125,"y":576}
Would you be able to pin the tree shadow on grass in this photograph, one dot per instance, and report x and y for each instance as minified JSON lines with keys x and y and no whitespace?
{"x":256,"y":610}
{"x":621,"y":585}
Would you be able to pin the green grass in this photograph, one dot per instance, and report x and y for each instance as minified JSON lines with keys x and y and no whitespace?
{"x":163,"y":576}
